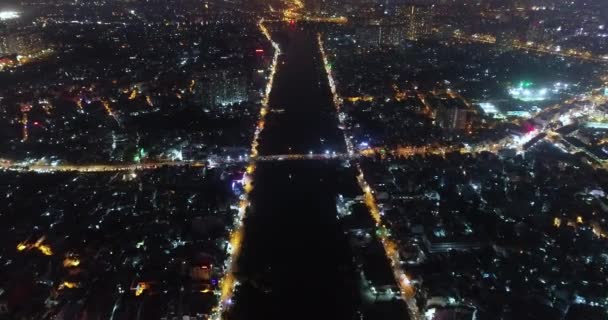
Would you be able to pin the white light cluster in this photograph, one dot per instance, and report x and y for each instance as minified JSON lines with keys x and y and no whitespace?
{"x":488,"y":107}
{"x":524,"y":94}
{"x":536,"y":94}
{"x":7,"y":15}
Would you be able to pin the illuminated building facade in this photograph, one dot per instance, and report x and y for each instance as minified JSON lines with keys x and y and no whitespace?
{"x":224,"y":88}
{"x":536,"y":32}
{"x":392,"y":35}
{"x":419,"y":20}
{"x":368,"y":36}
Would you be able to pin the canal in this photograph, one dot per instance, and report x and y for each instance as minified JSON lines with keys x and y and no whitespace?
{"x":296,"y":261}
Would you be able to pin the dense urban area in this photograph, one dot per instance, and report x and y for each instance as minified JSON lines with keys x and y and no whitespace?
{"x":304,"y":159}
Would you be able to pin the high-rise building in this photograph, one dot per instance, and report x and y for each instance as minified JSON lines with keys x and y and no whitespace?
{"x":521,"y":4}
{"x":391,"y":35}
{"x":418,"y":20}
{"x":316,"y":7}
{"x":368,"y":35}
{"x":223,"y":87}
{"x":536,"y":32}
{"x":3,"y":46}
{"x":504,"y":40}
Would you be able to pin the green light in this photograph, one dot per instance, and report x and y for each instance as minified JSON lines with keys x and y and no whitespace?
{"x":525,"y":84}
{"x":136,"y":158}
{"x":382,"y":232}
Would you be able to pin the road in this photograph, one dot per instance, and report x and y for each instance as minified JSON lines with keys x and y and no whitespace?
{"x":533,"y":47}
{"x":571,"y":108}
{"x":151,"y":165}
{"x":579,"y":107}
